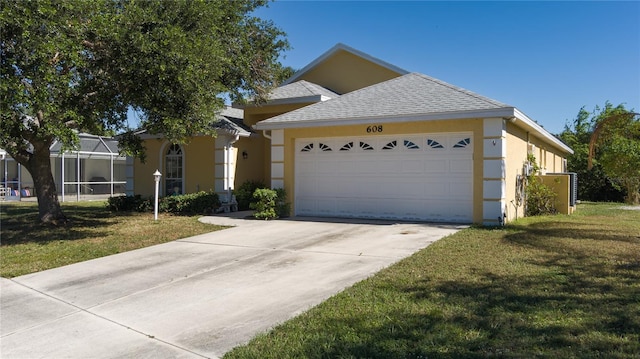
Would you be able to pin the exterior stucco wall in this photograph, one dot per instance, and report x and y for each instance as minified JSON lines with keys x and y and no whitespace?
{"x":470,"y":125}
{"x":198,"y":166}
{"x":516,"y":158}
{"x":551,"y":160}
{"x":253,"y":167}
{"x":143,"y":183}
{"x":560,"y":185}
{"x":345,"y":72}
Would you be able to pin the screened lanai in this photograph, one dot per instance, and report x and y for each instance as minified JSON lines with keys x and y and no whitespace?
{"x":95,"y":170}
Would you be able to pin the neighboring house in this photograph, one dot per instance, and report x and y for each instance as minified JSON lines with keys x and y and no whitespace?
{"x":94,"y":168}
{"x":350,"y":135}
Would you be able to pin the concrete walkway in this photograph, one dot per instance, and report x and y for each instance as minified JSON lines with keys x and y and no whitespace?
{"x":200,"y":296}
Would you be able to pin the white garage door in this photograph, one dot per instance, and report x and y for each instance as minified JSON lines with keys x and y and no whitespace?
{"x":425,"y":177}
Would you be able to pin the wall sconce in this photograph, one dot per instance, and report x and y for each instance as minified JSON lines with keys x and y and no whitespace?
{"x":245,"y":155}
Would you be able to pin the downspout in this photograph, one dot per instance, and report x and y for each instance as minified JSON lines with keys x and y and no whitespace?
{"x":264,"y":133}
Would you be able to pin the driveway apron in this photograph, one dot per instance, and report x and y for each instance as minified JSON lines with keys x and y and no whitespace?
{"x":200,"y":296}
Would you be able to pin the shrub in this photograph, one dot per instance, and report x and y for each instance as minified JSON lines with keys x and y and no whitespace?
{"x":540,"y":197}
{"x":200,"y":203}
{"x":270,"y":204}
{"x":265,"y":203}
{"x":283,"y":208}
{"x":244,"y":193}
{"x":192,"y":203}
{"x":129,"y":203}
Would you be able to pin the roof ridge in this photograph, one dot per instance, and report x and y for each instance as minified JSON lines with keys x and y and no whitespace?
{"x":307,"y":85}
{"x":460,"y":89}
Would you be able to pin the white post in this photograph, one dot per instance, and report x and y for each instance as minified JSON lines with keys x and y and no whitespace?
{"x":62,"y":174}
{"x":156,"y":177}
{"x":78,"y":177}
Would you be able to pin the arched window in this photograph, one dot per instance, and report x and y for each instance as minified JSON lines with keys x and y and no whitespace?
{"x":173,"y":164}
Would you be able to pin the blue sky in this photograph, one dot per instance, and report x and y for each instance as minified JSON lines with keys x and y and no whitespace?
{"x":548,"y":59}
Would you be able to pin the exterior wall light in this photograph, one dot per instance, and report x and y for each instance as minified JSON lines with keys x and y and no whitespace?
{"x":245,"y":155}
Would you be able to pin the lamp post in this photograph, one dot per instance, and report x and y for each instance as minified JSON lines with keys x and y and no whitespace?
{"x":156,"y":177}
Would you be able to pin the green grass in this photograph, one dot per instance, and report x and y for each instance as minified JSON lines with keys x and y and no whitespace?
{"x":544,"y":287}
{"x":26,"y":247}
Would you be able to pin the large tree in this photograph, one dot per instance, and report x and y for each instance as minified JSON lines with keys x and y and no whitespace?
{"x":615,"y":144}
{"x":594,"y":185}
{"x":79,"y":66}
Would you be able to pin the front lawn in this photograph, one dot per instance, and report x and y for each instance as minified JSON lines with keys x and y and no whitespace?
{"x":544,"y":287}
{"x":26,"y":247}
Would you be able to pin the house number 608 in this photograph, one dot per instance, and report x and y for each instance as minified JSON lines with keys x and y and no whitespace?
{"x":374,"y":129}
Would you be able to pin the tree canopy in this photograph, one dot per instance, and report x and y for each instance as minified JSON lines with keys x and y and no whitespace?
{"x":79,"y":66}
{"x":607,"y":153}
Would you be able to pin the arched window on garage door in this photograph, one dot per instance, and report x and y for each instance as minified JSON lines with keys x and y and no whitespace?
{"x":173,"y":168}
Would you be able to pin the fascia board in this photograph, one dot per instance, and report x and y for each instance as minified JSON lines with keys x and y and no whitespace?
{"x":526,"y":123}
{"x":288,"y":101}
{"x":503,"y":112}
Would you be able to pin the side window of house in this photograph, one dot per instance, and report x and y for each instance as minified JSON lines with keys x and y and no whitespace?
{"x":173,"y":170}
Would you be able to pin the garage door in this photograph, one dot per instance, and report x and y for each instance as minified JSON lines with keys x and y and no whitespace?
{"x":425,"y":177}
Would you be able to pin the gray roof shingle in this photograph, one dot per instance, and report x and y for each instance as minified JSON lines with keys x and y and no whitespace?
{"x":298,"y":89}
{"x":411,"y":94}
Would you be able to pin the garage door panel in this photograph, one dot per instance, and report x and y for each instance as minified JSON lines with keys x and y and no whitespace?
{"x":436,"y":166}
{"x":417,"y":177}
{"x":461,"y":165}
{"x":412,"y":166}
{"x":325,"y":206}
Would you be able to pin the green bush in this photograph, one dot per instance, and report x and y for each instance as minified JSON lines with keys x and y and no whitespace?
{"x":540,"y":197}
{"x":270,"y":204}
{"x":192,"y":203}
{"x":265,"y":203}
{"x":129,"y":204}
{"x":244,"y":193}
{"x":283,"y":208}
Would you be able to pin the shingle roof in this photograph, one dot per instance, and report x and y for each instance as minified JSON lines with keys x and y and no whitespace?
{"x":300,"y":88}
{"x":230,"y":120}
{"x":411,"y":94}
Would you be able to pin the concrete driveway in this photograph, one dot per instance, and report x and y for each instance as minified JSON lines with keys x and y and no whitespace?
{"x":200,"y":296}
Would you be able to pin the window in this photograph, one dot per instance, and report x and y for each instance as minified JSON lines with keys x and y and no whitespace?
{"x":173,"y":164}
{"x":462,"y":143}
{"x":365,"y":146}
{"x":410,"y":145}
{"x":347,"y":147}
{"x":391,"y":145}
{"x":434,"y":144}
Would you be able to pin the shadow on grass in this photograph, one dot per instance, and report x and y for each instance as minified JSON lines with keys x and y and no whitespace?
{"x":20,"y":224}
{"x":555,"y":293}
{"x":502,"y":316}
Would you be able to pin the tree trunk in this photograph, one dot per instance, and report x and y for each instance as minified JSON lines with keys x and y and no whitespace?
{"x":632,"y":187}
{"x":39,"y":165}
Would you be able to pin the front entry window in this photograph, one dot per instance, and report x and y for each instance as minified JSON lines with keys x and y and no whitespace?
{"x":173,"y":169}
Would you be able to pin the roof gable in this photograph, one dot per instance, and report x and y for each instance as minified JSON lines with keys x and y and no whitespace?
{"x":343,"y":69}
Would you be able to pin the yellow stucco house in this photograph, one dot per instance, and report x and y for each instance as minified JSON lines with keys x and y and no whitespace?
{"x":350,"y":135}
